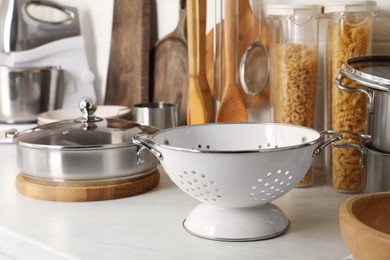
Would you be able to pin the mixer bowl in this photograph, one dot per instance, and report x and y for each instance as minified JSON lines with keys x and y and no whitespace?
{"x":27,"y":92}
{"x":236,"y":170}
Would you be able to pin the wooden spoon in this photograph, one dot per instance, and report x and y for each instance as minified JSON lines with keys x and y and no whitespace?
{"x":232,"y":107}
{"x":204,"y":85}
{"x":199,"y":92}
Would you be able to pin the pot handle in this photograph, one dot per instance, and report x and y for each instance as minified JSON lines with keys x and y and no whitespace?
{"x":333,"y":137}
{"x":338,"y":81}
{"x":146,"y":142}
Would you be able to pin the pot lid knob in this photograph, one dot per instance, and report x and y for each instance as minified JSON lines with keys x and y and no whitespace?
{"x":88,"y":108}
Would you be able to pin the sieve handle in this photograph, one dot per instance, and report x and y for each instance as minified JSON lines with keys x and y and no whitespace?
{"x":146,"y":142}
{"x":333,"y":137}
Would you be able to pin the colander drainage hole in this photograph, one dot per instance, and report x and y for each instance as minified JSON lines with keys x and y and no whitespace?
{"x":200,"y":146}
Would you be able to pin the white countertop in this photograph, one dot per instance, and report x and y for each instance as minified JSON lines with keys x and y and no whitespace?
{"x":149,"y":226}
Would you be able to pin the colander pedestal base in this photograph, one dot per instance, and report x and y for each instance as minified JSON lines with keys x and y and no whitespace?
{"x":236,"y":224}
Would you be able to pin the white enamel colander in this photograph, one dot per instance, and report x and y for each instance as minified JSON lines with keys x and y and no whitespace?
{"x":236,"y":170}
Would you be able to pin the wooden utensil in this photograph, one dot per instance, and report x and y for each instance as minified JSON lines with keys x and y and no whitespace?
{"x":128,"y":70}
{"x":251,"y":29}
{"x":200,"y":104}
{"x":85,"y":191}
{"x":232,"y":107}
{"x":171,"y":67}
{"x":364,"y":225}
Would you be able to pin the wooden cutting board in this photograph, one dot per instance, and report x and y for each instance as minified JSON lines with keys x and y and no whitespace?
{"x":171,"y":67}
{"x":85,"y":191}
{"x":128,"y":70}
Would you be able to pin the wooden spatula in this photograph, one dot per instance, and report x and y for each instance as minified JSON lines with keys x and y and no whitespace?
{"x":199,"y":97}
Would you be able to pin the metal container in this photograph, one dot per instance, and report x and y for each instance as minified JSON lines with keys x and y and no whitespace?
{"x":160,"y":114}
{"x":376,"y":165}
{"x":372,"y":73}
{"x":88,"y":148}
{"x":27,"y":92}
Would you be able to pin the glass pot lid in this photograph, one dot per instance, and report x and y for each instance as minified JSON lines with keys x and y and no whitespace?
{"x":370,"y":71}
{"x":87,"y":131}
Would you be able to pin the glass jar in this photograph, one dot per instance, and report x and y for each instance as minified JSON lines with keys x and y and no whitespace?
{"x":349,"y":30}
{"x":293,"y":46}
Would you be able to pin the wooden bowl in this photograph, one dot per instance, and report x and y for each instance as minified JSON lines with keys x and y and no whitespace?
{"x":365,"y":225}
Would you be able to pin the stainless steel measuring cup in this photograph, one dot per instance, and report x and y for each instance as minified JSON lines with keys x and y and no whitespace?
{"x":160,"y":114}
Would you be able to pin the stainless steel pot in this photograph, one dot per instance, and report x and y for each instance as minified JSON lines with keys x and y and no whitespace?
{"x":373,"y":75}
{"x":27,"y":92}
{"x":85,"y":149}
{"x":376,"y":164}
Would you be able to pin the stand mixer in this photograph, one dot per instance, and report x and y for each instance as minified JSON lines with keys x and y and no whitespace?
{"x":31,"y":41}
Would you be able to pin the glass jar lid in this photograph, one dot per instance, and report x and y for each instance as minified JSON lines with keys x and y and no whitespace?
{"x":293,"y":9}
{"x":350,"y":6}
{"x":85,"y":132}
{"x":370,"y":71}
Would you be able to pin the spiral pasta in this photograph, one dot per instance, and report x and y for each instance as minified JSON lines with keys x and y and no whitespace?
{"x":348,"y":111}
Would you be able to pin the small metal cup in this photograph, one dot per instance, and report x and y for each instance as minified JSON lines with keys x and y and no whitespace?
{"x":161,"y":115}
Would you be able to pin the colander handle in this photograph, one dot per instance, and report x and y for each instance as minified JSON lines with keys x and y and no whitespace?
{"x":146,"y":142}
{"x":333,"y":136}
{"x":358,"y":146}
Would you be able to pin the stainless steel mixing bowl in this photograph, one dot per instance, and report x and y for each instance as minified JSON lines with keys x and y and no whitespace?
{"x":27,"y":92}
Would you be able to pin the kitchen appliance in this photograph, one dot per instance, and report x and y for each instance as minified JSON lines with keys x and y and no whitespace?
{"x":29,"y":39}
{"x":236,"y":170}
{"x":83,"y":152}
{"x":27,"y":92}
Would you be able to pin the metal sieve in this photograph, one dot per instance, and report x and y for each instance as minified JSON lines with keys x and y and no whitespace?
{"x":236,"y":170}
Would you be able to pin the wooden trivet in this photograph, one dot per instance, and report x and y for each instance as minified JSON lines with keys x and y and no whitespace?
{"x":76,"y":191}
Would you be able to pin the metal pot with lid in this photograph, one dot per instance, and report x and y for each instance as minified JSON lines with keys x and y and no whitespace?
{"x":88,"y":148}
{"x":372,"y":73}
